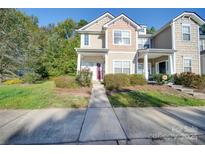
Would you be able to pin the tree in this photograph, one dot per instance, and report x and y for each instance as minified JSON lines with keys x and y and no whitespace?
{"x":13,"y":42}
{"x":152,"y":30}
{"x":203,"y":29}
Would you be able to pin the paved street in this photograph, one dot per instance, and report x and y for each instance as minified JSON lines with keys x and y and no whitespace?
{"x":102,"y":124}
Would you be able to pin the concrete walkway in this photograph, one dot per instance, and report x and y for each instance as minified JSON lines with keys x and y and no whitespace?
{"x":100,"y":123}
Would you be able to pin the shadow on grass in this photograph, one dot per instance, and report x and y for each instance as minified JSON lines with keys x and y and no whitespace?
{"x":137,"y":99}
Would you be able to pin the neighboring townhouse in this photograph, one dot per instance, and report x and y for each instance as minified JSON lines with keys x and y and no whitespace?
{"x":202,"y":50}
{"x":119,"y":45}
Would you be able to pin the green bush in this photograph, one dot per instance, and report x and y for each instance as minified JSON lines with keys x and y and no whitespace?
{"x":163,"y":78}
{"x":65,"y":82}
{"x":137,"y":79}
{"x":189,"y":79}
{"x":116,"y":81}
{"x":31,"y":77}
{"x":84,"y":77}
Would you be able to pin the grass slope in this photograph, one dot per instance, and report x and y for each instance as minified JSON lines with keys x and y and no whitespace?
{"x":152,"y":99}
{"x":37,"y":96}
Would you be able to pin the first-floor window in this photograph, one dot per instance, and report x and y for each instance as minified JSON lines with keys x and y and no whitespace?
{"x":121,"y":67}
{"x":187,"y":64}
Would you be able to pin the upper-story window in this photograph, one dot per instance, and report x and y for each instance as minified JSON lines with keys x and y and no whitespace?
{"x":122,"y":37}
{"x":86,"y":40}
{"x":201,"y":45}
{"x":143,"y":43}
{"x":186,"y":32}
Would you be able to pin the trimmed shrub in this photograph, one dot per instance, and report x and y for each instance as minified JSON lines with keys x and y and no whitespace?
{"x":84,"y":77}
{"x":116,"y":81}
{"x":65,"y":82}
{"x":13,"y":81}
{"x":31,"y":77}
{"x":137,"y":79}
{"x":177,"y":79}
{"x":163,"y":78}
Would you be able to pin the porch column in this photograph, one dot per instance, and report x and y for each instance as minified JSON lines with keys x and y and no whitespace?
{"x":106,"y":63}
{"x":171,"y":64}
{"x":146,"y":73}
{"x":78,"y":63}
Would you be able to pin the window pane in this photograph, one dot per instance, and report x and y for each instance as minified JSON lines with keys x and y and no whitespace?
{"x":117,"y":33}
{"x":187,"y":69}
{"x":118,"y":70}
{"x":186,"y":36}
{"x":117,"y":41}
{"x":186,"y":29}
{"x":126,"y":70}
{"x":126,"y":34}
{"x":126,"y":64}
{"x":117,"y":64}
{"x":187,"y":62}
{"x":86,"y":39}
{"x":126,"y":40}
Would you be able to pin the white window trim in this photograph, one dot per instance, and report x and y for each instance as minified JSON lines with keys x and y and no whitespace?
{"x":113,"y":37}
{"x":113,"y":69}
{"x":187,"y":58}
{"x":188,"y":25}
{"x":83,"y":40}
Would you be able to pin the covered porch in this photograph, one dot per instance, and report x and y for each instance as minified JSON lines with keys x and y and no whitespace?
{"x":93,"y":59}
{"x":154,"y":61}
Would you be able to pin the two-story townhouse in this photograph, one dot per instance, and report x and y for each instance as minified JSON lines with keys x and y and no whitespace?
{"x":119,"y":45}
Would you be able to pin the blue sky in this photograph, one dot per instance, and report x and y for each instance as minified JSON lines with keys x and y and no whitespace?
{"x":150,"y":17}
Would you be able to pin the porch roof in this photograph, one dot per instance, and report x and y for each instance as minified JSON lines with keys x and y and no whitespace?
{"x":87,"y":50}
{"x":154,"y":52}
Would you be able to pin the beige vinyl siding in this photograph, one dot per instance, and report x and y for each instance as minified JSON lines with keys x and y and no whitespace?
{"x":98,"y":25}
{"x":163,"y":40}
{"x":186,"y":48}
{"x":122,"y":25}
{"x":96,"y":41}
{"x":121,"y":56}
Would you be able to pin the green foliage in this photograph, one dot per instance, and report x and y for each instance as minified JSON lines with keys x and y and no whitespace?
{"x":152,"y":30}
{"x":13,"y":81}
{"x":137,"y":79}
{"x":84,"y":77}
{"x":116,"y":81}
{"x":189,"y":79}
{"x":31,"y":77}
{"x":163,"y":78}
{"x":66,"y":82}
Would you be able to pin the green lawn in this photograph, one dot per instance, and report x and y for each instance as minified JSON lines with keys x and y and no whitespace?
{"x":37,"y":96}
{"x":151,"y":98}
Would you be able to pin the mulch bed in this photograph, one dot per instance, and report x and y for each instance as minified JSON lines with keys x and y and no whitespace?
{"x":83,"y":92}
{"x":158,"y":88}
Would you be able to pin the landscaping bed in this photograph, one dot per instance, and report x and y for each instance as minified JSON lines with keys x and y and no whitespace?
{"x":44,"y":95}
{"x":151,"y":96}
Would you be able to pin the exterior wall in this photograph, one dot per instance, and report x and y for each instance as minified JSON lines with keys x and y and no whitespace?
{"x":187,"y":48}
{"x":163,"y":40}
{"x":96,"y":41}
{"x":98,"y":25}
{"x":203,"y":64}
{"x":122,"y":25}
{"x":121,"y":56}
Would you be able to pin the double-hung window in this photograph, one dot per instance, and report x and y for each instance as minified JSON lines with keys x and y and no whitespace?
{"x":186,"y":32}
{"x":121,"y":67}
{"x":201,"y":45}
{"x":86,"y":40}
{"x":122,"y":37}
{"x":143,"y":43}
{"x":187,"y":64}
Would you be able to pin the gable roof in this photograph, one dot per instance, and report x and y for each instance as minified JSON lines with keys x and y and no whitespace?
{"x":124,"y":17}
{"x":194,"y":15}
{"x":96,"y":20}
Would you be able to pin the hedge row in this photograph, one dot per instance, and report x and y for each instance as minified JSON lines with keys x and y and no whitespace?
{"x":118,"y":81}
